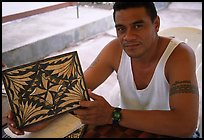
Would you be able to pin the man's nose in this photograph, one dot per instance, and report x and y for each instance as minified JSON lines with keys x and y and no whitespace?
{"x":129,"y":35}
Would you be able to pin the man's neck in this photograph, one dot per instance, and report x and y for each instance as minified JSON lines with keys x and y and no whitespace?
{"x":151,"y":56}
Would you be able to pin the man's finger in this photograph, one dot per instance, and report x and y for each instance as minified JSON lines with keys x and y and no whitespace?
{"x":15,"y":130}
{"x":93,"y":95}
{"x":86,"y":103}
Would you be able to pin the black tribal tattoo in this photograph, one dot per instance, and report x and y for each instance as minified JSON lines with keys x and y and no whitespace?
{"x":183,"y":87}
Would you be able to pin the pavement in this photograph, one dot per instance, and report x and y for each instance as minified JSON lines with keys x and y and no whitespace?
{"x":59,"y":32}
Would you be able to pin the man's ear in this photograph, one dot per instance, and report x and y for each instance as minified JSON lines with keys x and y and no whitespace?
{"x":157,"y":23}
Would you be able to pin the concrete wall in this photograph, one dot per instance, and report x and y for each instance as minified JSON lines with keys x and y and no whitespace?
{"x":42,"y":48}
{"x":34,"y":38}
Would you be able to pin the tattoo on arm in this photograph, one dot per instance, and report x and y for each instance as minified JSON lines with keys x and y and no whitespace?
{"x":183,"y":87}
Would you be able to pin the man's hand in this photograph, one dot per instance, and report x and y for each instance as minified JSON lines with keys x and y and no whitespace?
{"x":12,"y":126}
{"x":96,"y":112}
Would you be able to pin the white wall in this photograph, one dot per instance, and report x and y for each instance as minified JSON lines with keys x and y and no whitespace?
{"x":9,"y":8}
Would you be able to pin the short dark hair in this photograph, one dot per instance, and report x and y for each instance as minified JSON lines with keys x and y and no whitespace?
{"x":149,"y":6}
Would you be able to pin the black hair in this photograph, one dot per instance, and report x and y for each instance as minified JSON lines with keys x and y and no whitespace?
{"x":149,"y":6}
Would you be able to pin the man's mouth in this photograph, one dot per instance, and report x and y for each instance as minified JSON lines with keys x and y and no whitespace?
{"x":131,"y":45}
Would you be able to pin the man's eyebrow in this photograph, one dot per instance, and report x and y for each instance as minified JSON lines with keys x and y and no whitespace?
{"x":138,"y":22}
{"x":118,"y":25}
{"x":133,"y":23}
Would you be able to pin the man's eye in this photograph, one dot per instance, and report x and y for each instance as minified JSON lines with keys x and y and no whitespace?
{"x":120,"y":29}
{"x":137,"y":26}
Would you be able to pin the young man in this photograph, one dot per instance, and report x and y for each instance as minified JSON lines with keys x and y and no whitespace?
{"x":159,"y":92}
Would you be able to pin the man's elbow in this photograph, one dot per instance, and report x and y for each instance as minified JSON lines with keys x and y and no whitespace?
{"x":186,"y":130}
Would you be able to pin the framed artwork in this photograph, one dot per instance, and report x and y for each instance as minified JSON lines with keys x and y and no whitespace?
{"x":43,"y":89}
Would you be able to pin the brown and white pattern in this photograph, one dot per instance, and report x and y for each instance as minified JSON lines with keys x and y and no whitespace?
{"x":44,"y":89}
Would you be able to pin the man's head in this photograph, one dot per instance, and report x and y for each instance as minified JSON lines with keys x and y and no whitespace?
{"x":136,"y":26}
{"x":149,"y":6}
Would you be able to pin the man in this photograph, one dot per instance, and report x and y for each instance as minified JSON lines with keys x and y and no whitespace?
{"x":159,"y":92}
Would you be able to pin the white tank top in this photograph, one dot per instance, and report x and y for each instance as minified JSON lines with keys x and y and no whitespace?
{"x":156,"y":95}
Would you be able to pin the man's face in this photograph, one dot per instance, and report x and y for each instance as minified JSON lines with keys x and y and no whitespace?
{"x":135,"y":30}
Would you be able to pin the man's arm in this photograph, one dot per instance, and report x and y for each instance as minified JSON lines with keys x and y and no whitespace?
{"x":181,"y":120}
{"x":105,"y":63}
{"x":100,"y":69}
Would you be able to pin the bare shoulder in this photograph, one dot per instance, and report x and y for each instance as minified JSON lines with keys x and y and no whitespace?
{"x":112,"y":53}
{"x":181,"y":64}
{"x":184,"y":49}
{"x":104,"y":64}
{"x":114,"y":45}
{"x":182,"y":53}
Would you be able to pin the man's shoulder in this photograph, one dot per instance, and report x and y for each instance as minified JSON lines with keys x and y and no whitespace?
{"x":114,"y":43}
{"x":112,"y":53}
{"x":184,"y":50}
{"x":113,"y":46}
{"x":183,"y":53}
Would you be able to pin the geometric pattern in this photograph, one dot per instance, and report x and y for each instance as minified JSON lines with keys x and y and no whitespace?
{"x":40,"y":90}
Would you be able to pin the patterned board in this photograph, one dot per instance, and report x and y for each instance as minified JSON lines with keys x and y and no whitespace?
{"x":44,"y":89}
{"x":77,"y":133}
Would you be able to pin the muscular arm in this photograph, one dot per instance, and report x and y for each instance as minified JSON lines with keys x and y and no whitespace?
{"x":181,"y":119}
{"x":104,"y":64}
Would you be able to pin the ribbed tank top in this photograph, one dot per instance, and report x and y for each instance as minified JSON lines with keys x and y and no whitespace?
{"x":156,"y":95}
